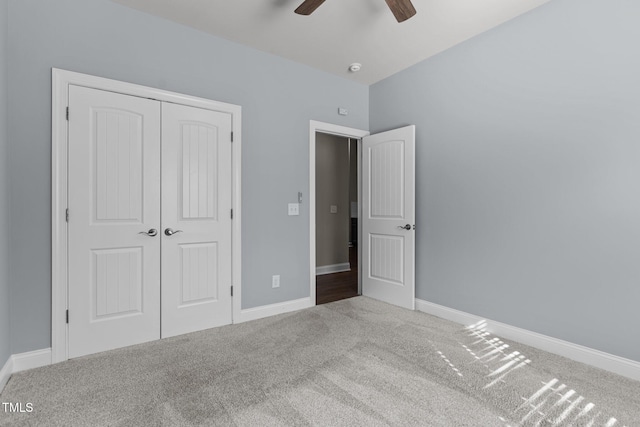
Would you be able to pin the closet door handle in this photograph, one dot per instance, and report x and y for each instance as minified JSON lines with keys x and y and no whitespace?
{"x":170,"y":232}
{"x":151,"y":233}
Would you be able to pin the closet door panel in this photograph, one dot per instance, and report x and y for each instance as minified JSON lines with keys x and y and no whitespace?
{"x":114,"y":208}
{"x":196,"y":219}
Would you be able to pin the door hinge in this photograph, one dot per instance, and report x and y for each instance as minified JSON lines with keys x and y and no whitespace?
{"x":231,"y":213}
{"x":67,"y":113}
{"x":66,"y":215}
{"x":231,"y":290}
{"x":67,"y":316}
{"x":231,"y":136}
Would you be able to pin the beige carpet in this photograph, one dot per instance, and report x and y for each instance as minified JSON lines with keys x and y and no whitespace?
{"x":356,"y":362}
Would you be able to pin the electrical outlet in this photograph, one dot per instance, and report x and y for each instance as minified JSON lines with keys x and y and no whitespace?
{"x":275,"y":281}
{"x":294,"y":209}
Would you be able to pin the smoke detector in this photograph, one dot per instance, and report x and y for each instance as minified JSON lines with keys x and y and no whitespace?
{"x":355,"y":67}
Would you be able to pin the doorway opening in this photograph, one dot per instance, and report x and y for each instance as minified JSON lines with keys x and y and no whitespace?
{"x":336,"y":218}
{"x":386,"y":212}
{"x":334,"y":210}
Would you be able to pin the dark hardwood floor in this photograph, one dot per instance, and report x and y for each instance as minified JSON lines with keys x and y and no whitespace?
{"x":337,"y":286}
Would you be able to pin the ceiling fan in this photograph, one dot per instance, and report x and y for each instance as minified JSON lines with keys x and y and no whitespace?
{"x":402,"y":9}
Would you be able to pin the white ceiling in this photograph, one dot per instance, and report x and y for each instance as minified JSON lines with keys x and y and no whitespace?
{"x":342,"y":31}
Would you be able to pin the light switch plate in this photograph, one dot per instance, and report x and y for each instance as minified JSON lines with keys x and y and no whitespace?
{"x":334,"y":209}
{"x":294,"y":209}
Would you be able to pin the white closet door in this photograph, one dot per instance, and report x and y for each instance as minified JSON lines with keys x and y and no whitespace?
{"x":114,"y":206}
{"x":388,"y":216}
{"x":196,"y":219}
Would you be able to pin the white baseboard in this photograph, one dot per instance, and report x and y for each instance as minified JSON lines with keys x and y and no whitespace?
{"x":447,"y":313}
{"x":333,"y":268}
{"x":5,"y":373}
{"x":22,"y":362}
{"x":273,"y":309}
{"x":31,"y":359}
{"x":599,"y":359}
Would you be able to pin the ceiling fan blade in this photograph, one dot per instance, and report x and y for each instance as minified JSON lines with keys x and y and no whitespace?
{"x":402,"y":9}
{"x":308,"y":6}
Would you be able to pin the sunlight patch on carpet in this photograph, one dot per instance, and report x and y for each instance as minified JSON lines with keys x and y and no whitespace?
{"x":448,"y":362}
{"x":552,"y":404}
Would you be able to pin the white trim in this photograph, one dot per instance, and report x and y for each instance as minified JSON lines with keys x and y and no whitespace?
{"x":446,"y":313}
{"x":599,"y":359}
{"x":333,"y":268}
{"x":315,"y":126}
{"x":236,"y":202}
{"x":59,"y":101}
{"x":263,"y":311}
{"x":61,"y":80}
{"x":31,"y":359}
{"x":5,"y":373}
{"x":22,"y":362}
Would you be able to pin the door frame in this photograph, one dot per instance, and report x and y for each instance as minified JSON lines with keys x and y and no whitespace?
{"x":60,"y":81}
{"x":347,"y":132}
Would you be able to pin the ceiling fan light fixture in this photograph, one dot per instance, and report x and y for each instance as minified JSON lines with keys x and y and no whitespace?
{"x":355,"y":67}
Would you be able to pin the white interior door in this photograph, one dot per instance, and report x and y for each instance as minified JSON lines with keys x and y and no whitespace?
{"x":114,"y":206}
{"x":196,"y":219}
{"x":388,"y":216}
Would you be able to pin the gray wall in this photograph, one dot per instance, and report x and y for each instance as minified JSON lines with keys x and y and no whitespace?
{"x":102,"y":38}
{"x":332,"y":188}
{"x":4,"y":193}
{"x":528,"y":172}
